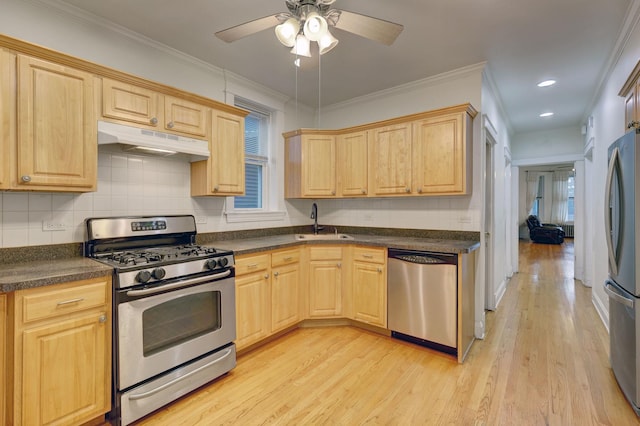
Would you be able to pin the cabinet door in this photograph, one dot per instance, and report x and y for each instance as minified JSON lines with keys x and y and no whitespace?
{"x":57,"y":127}
{"x":325,"y":288}
{"x":631,"y":108}
{"x":185,"y":117}
{"x":7,"y":118}
{"x":370,"y":293}
{"x":66,"y":366}
{"x":285,"y":301}
{"x":253,"y":304}
{"x":318,"y":166}
{"x":439,"y":156}
{"x":352,"y":164}
{"x":227,"y":154}
{"x":390,"y":160}
{"x":131,"y":103}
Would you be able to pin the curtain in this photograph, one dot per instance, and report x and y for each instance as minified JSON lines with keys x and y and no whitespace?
{"x":560,"y":196}
{"x":532,"y":192}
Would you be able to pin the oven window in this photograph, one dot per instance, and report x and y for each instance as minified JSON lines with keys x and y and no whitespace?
{"x":176,"y":321}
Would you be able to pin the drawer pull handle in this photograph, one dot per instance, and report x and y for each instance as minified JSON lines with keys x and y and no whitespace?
{"x":367,"y":256}
{"x":288,"y":259}
{"x":68,"y":302}
{"x":252,"y":266}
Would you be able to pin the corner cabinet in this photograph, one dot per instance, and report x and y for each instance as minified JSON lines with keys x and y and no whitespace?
{"x":223,"y":173}
{"x":61,"y":351}
{"x":416,"y":155}
{"x":50,"y":121}
{"x":310,"y":165}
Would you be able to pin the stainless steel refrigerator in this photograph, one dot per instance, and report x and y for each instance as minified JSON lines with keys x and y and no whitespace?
{"x":622,"y":199}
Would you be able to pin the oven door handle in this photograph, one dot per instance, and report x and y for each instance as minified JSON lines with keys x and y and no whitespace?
{"x":179,"y":284}
{"x":133,"y":397}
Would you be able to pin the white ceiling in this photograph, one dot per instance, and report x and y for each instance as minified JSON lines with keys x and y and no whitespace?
{"x":522,"y":41}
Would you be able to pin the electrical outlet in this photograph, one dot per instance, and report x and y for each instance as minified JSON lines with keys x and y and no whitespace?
{"x":53,"y":226}
{"x":464,"y":219}
{"x":201,"y":219}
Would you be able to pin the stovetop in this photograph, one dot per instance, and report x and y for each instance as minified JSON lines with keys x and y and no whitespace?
{"x":149,"y":249}
{"x":158,"y":255}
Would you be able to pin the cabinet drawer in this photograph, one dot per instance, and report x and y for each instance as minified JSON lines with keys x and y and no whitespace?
{"x":51,"y":302}
{"x":285,"y":257}
{"x":366,"y":254}
{"x":325,"y":253}
{"x":249,"y":264}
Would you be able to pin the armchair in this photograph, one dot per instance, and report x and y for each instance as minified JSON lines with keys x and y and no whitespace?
{"x":544,"y":232}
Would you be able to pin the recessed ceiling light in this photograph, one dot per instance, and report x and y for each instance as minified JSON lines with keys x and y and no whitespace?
{"x":546,"y":83}
{"x":546,"y":114}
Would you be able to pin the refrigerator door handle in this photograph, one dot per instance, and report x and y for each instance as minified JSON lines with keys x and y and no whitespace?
{"x":613,"y":262}
{"x":608,"y":288}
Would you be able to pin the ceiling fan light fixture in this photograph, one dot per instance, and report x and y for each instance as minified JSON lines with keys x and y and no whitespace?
{"x":287,"y":32}
{"x":315,"y":26}
{"x":301,"y":47}
{"x":327,"y":42}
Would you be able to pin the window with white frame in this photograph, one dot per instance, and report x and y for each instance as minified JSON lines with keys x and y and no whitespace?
{"x":570,"y":199}
{"x":538,"y":204}
{"x":256,"y":130}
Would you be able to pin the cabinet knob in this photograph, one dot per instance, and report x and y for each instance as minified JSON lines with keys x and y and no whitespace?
{"x":153,"y":121}
{"x":170,"y":124}
{"x":266,"y":276}
{"x":275,"y":274}
{"x":333,"y":192}
{"x":407,"y":190}
{"x":339,"y":265}
{"x":379,"y":269}
{"x":419,"y":190}
{"x":102,"y":319}
{"x":216,"y":188}
{"x":364,"y":191}
{"x":26,"y":178}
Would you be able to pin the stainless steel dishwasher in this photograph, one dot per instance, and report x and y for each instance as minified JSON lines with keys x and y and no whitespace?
{"x":422,"y":298}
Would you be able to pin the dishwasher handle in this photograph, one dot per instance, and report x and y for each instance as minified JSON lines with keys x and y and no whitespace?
{"x":423,"y":257}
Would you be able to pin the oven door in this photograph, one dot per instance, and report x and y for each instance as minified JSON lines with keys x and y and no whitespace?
{"x":159,"y":332}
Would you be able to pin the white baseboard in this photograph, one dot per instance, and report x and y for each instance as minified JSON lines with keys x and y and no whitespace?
{"x":602,"y":309}
{"x":502,"y":288}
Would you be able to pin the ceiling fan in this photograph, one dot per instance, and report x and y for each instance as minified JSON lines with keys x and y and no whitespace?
{"x":309,"y":20}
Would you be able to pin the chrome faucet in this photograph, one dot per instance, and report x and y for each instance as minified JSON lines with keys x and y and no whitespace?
{"x":314,"y":216}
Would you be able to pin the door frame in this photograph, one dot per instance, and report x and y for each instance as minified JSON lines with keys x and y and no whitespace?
{"x":487,"y":240}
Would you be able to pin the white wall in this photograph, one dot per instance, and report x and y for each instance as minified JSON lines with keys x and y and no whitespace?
{"x":547,"y":144}
{"x":608,"y":125}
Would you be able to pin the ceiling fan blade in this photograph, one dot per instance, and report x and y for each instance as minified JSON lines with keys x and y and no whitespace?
{"x":376,"y":29}
{"x":248,"y":28}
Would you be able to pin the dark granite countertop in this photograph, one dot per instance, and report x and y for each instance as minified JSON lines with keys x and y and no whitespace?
{"x":37,"y":273}
{"x":254,"y":245}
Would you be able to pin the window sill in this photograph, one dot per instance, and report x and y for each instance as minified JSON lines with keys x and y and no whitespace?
{"x":249,"y":216}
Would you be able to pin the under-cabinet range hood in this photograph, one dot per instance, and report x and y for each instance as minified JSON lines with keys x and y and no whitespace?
{"x":145,"y":141}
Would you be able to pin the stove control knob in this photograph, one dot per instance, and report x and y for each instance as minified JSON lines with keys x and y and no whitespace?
{"x":143,"y":276}
{"x":211,"y":264}
{"x":159,"y":273}
{"x":223,"y":262}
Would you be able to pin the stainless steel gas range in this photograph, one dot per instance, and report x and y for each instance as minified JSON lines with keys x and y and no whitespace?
{"x":173,"y":309}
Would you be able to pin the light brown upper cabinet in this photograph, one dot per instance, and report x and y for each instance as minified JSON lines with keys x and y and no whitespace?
{"x":631,"y":97}
{"x":390,"y":160}
{"x":421,"y":154}
{"x":310,"y":165}
{"x":352,"y":161}
{"x":439,"y":155}
{"x":223,"y":172}
{"x":131,"y":104}
{"x":49,"y":126}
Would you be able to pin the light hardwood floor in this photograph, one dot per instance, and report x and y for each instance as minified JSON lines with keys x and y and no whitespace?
{"x":544,"y":362}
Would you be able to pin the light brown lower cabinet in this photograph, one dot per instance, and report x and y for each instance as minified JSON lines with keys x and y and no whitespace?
{"x":60,"y":353}
{"x":325,"y":281}
{"x":369,"y":285}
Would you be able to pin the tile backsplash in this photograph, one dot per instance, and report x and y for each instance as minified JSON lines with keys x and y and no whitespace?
{"x":127,"y":185}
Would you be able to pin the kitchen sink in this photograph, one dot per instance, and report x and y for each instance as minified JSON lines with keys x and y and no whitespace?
{"x":316,"y":237}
